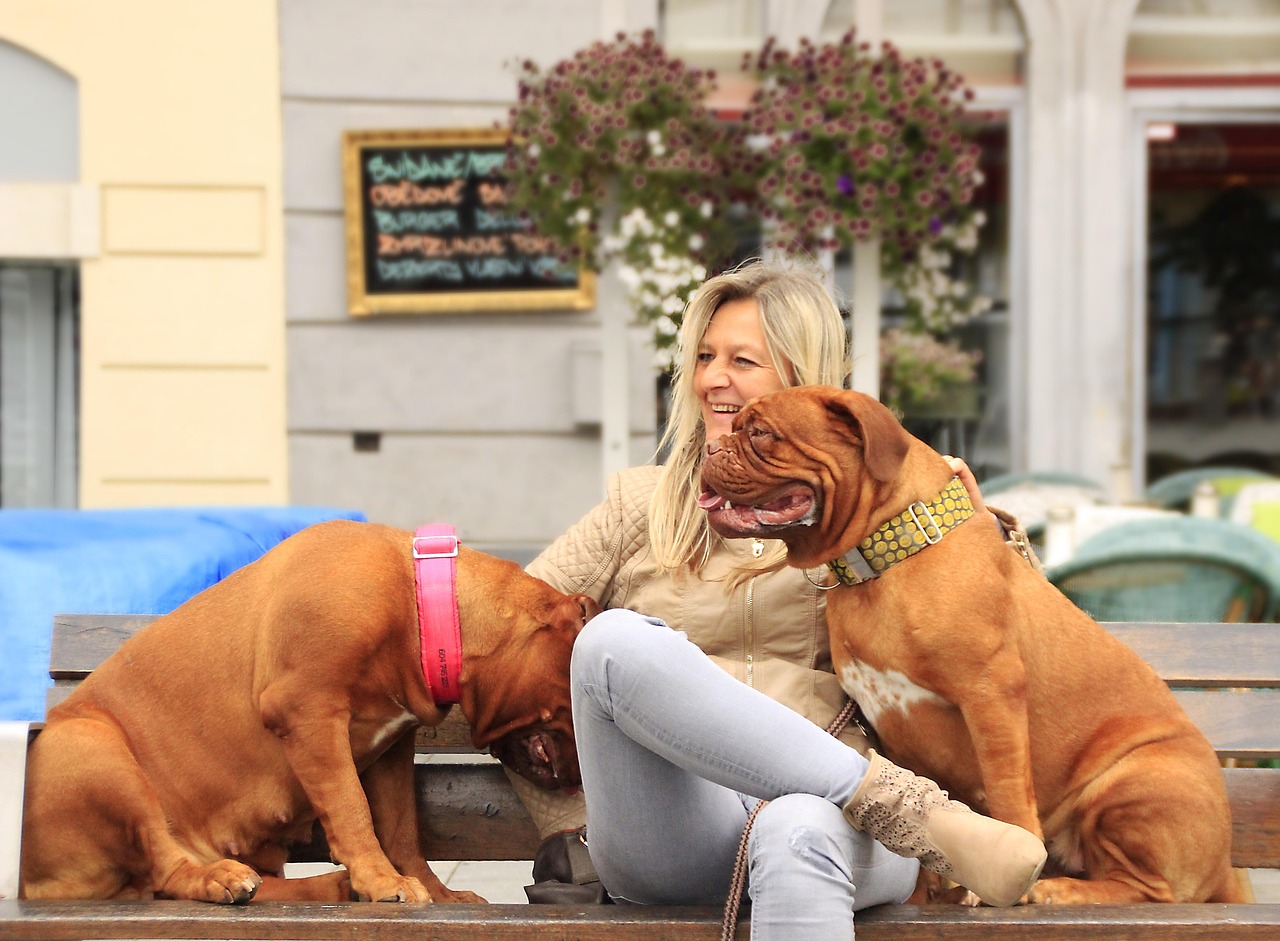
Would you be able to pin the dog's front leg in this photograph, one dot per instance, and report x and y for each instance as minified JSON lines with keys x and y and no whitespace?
{"x":994,"y":707}
{"x":314,"y":733}
{"x":389,"y":785}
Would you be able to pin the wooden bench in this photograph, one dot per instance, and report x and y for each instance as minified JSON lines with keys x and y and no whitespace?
{"x":1227,"y":676}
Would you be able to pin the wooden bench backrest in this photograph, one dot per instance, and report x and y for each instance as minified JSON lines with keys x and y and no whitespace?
{"x":1226,"y":676}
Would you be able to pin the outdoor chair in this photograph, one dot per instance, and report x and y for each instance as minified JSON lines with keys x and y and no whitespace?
{"x":1176,"y":490}
{"x":1174,"y":568}
{"x":1030,"y":495}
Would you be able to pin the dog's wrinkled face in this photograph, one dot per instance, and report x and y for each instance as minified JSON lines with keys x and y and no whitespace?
{"x":516,"y":697}
{"x":543,"y":755}
{"x":796,"y":465}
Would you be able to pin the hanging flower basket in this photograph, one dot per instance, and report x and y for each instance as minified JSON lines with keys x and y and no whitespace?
{"x":614,"y":154}
{"x":852,"y":146}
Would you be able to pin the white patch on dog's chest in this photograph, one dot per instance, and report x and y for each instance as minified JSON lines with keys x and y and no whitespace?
{"x":882,"y":691}
{"x":390,"y":729}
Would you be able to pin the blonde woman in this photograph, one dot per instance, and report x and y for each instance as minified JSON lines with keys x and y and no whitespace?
{"x":706,"y":684}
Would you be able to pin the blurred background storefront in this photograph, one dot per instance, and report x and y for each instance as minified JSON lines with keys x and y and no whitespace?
{"x":174,"y":316}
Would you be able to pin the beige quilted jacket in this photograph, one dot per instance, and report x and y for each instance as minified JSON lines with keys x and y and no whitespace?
{"x":769,"y":632}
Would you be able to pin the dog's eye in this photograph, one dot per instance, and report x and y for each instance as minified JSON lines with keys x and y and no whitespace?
{"x":761,"y":434}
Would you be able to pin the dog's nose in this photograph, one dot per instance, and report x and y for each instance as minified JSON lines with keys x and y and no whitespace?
{"x":713,"y":447}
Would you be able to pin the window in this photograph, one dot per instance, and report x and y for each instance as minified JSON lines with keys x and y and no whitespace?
{"x":38,"y":385}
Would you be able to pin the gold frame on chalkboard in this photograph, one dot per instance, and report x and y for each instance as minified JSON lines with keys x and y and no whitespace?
{"x":361,"y":303}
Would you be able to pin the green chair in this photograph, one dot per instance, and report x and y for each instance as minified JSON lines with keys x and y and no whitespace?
{"x":1024,"y":479}
{"x":1031,"y":494}
{"x":1176,"y":569}
{"x":1175,"y":491}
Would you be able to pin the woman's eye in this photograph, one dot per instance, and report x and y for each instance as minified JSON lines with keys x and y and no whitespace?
{"x":745,"y":363}
{"x":705,"y":357}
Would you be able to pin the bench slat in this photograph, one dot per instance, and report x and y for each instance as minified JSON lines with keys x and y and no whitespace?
{"x":1206,"y":655}
{"x":299,"y":921}
{"x":1255,"y":817}
{"x":1198,"y":655}
{"x":1237,"y":724}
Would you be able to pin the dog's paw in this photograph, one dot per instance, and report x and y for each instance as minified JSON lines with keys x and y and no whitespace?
{"x":400,"y":889}
{"x":225,"y":882}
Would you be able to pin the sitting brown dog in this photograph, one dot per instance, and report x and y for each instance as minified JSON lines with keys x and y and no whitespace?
{"x":974,"y":670}
{"x":288,"y":692}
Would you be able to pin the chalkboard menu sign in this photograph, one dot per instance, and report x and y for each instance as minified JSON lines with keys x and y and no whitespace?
{"x":429,"y":229}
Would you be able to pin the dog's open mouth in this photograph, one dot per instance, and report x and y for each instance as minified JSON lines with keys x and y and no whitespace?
{"x":536,"y":756}
{"x":794,"y":505}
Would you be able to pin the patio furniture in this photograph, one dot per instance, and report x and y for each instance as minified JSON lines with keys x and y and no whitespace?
{"x":1032,"y":494}
{"x":1174,"y":568}
{"x":1176,"y":490}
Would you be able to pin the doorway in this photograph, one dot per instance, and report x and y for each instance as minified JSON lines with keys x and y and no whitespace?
{"x":1210,"y":302}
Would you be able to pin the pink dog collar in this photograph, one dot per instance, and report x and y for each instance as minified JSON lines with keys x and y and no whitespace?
{"x":435,"y":561}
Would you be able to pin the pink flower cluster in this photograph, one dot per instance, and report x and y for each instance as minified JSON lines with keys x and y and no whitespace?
{"x":853,"y":144}
{"x":620,"y":124}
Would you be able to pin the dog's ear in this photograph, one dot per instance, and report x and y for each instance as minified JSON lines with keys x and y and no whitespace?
{"x":572,"y":614}
{"x":884,"y":441}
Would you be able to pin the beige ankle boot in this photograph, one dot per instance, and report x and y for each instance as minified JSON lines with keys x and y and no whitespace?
{"x":913,"y":817}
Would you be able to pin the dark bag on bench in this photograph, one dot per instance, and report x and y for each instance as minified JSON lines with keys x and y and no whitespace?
{"x":563,"y":873}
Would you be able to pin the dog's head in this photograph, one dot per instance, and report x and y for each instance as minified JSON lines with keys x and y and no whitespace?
{"x":807,"y":465}
{"x":517,"y":640}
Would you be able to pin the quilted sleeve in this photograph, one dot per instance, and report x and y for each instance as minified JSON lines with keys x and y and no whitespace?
{"x":589,"y":555}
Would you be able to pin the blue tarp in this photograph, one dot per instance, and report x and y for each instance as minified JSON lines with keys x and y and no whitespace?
{"x":145,"y":561}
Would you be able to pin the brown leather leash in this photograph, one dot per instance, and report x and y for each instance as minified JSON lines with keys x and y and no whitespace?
{"x":730,"y":923}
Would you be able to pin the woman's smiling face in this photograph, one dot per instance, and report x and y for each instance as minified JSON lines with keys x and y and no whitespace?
{"x":733,"y":366}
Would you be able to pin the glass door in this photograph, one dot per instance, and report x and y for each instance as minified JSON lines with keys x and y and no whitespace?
{"x":1212,"y":295}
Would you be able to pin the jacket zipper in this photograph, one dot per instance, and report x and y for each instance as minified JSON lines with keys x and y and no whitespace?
{"x":750,"y":634}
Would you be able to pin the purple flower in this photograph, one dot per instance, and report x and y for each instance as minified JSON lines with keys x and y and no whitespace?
{"x":845,"y":184}
{"x":935,"y":225}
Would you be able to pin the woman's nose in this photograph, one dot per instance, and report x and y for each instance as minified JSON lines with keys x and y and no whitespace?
{"x":715,"y":375}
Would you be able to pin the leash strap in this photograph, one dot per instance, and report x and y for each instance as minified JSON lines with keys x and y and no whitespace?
{"x":435,"y":565}
{"x":919,"y":525}
{"x":737,"y":882}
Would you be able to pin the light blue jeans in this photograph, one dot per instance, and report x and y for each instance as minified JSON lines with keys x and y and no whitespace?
{"x":675,"y":753}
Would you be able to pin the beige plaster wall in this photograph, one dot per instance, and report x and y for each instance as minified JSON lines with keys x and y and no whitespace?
{"x":182,"y":396}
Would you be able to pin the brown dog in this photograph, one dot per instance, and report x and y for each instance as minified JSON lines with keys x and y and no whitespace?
{"x":975,"y":670}
{"x":288,"y":692}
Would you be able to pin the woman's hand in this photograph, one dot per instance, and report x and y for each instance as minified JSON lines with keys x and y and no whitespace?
{"x":962,"y":470}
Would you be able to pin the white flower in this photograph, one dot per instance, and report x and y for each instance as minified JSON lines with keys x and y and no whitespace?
{"x":534,"y":150}
{"x":654,"y":138}
{"x":696,"y":241}
{"x":671,"y":218}
{"x":707,"y":209}
{"x":582,"y":216}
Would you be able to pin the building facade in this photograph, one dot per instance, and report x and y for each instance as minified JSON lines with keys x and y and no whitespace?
{"x":204,"y":213}
{"x":142,"y":340}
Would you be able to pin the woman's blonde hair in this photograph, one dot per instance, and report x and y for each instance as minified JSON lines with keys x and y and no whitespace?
{"x":806,"y":338}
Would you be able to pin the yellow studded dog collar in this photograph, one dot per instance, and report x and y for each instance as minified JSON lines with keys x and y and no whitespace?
{"x":919,"y":525}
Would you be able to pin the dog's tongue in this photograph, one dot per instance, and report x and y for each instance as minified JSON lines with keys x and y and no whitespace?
{"x":710,"y":500}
